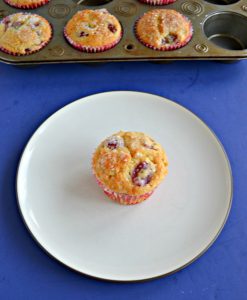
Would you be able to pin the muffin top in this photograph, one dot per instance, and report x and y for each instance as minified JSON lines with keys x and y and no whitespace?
{"x":130,"y":162}
{"x":24,"y":33}
{"x":25,"y":4}
{"x":93,"y":28}
{"x":163,"y":28}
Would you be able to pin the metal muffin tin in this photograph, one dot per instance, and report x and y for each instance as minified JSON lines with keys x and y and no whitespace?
{"x":220,"y":32}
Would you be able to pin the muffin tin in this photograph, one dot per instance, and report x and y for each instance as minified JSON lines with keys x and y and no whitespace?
{"x":220,"y":32}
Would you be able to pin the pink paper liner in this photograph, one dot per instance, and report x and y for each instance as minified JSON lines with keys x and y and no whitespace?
{"x":91,"y":49}
{"x":27,"y":6}
{"x":157,"y":2}
{"x":122,"y":198}
{"x":43,"y":45}
{"x":170,"y":47}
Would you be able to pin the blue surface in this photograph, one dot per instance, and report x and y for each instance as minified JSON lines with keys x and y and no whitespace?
{"x":215,"y":92}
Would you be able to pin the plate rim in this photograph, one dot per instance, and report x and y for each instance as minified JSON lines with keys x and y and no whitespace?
{"x":186,"y":110}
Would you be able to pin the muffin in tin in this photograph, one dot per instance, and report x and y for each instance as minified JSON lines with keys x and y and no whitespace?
{"x":163,"y":29}
{"x":157,"y":2}
{"x":93,"y":30}
{"x":24,"y":33}
{"x":26,"y":4}
{"x":128,"y":166}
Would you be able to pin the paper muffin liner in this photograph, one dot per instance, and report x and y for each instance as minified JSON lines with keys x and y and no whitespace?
{"x":27,"y":6}
{"x":167,"y":47}
{"x":157,"y":2}
{"x":42,"y":45}
{"x":122,"y":198}
{"x":91,"y":49}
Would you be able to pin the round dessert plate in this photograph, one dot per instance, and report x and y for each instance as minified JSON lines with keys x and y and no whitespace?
{"x":70,"y":217}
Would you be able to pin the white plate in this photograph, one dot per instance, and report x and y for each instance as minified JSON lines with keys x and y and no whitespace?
{"x":72,"y":219}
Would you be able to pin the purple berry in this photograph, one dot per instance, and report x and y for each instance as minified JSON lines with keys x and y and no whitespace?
{"x":6,"y":21}
{"x":83,"y":33}
{"x":142,"y":174}
{"x":112,"y":28}
{"x":17,"y":24}
{"x":149,"y":146}
{"x":169,"y":39}
{"x":114,"y":142}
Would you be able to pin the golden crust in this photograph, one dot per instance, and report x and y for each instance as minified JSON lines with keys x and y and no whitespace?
{"x":93,"y":28}
{"x":24,"y":33}
{"x":162,"y":28}
{"x":115,"y":167}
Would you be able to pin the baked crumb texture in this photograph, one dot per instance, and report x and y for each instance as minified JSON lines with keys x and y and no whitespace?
{"x":163,"y":29}
{"x":93,"y":30}
{"x":129,"y":166}
{"x":24,"y":33}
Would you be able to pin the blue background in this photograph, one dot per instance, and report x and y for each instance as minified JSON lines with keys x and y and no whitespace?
{"x":216,"y":92}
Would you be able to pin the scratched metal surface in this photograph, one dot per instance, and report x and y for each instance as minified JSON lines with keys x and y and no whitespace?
{"x":129,"y":49}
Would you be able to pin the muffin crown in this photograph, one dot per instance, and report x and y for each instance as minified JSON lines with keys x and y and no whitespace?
{"x":163,"y":29}
{"x":24,"y":33}
{"x":93,"y":28}
{"x":130,"y":162}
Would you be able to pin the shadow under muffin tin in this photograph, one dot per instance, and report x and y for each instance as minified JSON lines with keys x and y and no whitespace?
{"x":220,"y":31}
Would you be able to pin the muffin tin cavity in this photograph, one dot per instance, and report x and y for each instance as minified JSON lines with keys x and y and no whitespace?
{"x":222,"y":2}
{"x":227,"y":30}
{"x":92,"y":2}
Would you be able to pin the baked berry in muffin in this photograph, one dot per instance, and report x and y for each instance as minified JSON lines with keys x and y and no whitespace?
{"x":93,"y":30}
{"x":129,"y":166}
{"x":163,"y":29}
{"x":24,"y":33}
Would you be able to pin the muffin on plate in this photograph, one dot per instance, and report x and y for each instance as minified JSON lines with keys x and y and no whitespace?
{"x":128,"y":166}
{"x":157,"y":2}
{"x":93,"y":30}
{"x":26,"y":4}
{"x":163,"y":29}
{"x":24,"y":33}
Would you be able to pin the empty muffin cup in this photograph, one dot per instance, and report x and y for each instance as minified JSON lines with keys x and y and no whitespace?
{"x":227,"y":30}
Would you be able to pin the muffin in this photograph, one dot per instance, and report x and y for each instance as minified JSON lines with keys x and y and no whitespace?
{"x":24,"y":33}
{"x":163,"y":29}
{"x":93,"y":30}
{"x":26,"y":4}
{"x":128,"y":166}
{"x":157,"y":2}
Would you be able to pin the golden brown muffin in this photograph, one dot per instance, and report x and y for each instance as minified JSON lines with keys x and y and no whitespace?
{"x":93,"y":30}
{"x":24,"y":33}
{"x":26,"y":4}
{"x":163,"y":29}
{"x":129,"y":164}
